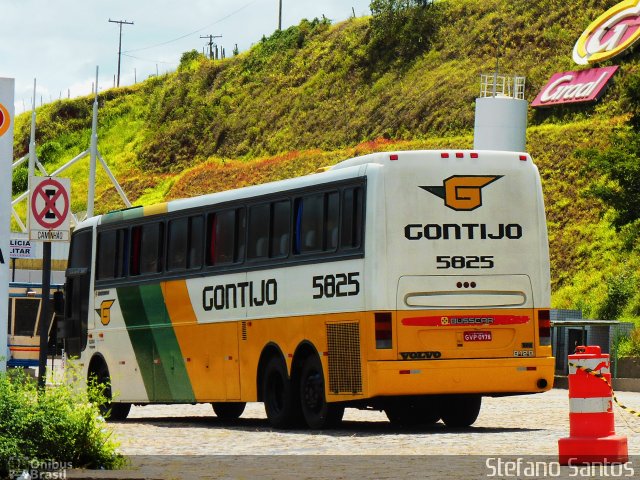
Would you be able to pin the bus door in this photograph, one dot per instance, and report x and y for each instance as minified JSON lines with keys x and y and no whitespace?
{"x":73,"y":329}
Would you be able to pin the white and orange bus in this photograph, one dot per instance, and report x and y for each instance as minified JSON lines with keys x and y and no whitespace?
{"x":412,"y":282}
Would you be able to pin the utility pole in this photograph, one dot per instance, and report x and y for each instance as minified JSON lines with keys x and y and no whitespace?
{"x":280,"y":16}
{"x":121,"y":22}
{"x":210,"y":44}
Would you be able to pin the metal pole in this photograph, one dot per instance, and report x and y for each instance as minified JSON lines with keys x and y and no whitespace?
{"x":120,"y":22}
{"x":93,"y":154}
{"x":119,"y":53}
{"x":44,"y":314}
{"x":32,"y":141}
{"x":280,"y":15}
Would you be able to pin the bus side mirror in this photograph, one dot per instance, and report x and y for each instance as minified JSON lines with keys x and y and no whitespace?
{"x":58,"y":302}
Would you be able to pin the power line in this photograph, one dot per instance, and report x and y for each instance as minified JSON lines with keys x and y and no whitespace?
{"x":195,"y":31}
{"x":120,"y":22}
{"x":149,"y":59}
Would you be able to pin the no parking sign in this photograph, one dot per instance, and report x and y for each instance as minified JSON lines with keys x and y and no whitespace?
{"x":49,"y":207}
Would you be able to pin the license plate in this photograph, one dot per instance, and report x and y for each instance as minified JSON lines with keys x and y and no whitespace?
{"x":477,"y":336}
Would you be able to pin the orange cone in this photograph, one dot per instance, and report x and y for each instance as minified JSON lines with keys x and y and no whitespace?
{"x":592,"y":437}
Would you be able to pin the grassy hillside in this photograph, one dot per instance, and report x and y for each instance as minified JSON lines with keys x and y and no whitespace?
{"x":317,"y":93}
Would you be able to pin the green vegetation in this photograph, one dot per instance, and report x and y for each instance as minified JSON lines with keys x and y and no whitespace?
{"x":59,"y":424}
{"x":316,"y":93}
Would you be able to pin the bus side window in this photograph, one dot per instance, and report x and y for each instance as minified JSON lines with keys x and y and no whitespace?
{"x":310,"y":222}
{"x":122,"y":253}
{"x":221,"y":238}
{"x":177,"y":244}
{"x":332,"y":222}
{"x":258,"y":241}
{"x":351,"y":235}
{"x":134,"y":265}
{"x":106,"y":257}
{"x":196,"y":242}
{"x":280,"y":229}
{"x":151,"y":248}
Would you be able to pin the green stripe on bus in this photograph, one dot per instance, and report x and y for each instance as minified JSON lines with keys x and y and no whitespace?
{"x":155,"y":344}
{"x":167,"y":346}
{"x":127,"y":214}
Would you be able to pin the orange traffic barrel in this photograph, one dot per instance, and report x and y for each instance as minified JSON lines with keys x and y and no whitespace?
{"x":592,"y":437}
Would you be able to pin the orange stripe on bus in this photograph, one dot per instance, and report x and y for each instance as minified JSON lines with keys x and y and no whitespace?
{"x":206,"y":345}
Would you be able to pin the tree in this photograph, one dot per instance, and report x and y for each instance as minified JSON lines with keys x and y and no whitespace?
{"x":620,"y":186}
{"x":401,"y":29}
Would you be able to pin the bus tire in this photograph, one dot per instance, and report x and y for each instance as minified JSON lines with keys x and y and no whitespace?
{"x":228,"y":410}
{"x":413,"y":412}
{"x":280,"y":402}
{"x":460,"y":411}
{"x":317,"y":412}
{"x":109,"y":410}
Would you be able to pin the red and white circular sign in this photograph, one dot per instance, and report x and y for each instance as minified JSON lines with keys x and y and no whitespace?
{"x":49,"y":204}
{"x":5,"y":119}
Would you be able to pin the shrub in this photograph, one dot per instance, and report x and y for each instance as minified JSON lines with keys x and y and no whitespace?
{"x":58,"y":424}
{"x":401,"y":30}
{"x":630,"y":346}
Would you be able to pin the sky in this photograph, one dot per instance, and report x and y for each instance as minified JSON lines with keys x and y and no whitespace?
{"x":61,"y":42}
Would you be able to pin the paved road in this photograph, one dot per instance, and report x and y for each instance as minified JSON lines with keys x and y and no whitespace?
{"x":188,"y":441}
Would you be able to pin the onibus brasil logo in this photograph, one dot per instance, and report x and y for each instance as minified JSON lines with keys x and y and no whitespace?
{"x":462,"y":192}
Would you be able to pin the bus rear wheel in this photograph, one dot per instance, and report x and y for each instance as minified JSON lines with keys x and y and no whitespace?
{"x":228,"y":410}
{"x":278,"y":394}
{"x":413,"y":411}
{"x":315,"y":409}
{"x":460,"y":411}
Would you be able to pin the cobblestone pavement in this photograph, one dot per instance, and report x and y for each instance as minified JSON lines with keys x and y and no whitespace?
{"x":183,"y":441}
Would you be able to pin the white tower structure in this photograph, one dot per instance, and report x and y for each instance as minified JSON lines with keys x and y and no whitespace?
{"x":501,"y":114}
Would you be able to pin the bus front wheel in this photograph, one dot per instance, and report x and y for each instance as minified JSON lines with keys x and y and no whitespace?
{"x":108,"y":409}
{"x":460,"y":411}
{"x":315,"y":409}
{"x":228,"y":410}
{"x":280,"y":403}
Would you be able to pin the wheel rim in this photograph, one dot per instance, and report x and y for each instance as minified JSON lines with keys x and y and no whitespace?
{"x":313,"y":392}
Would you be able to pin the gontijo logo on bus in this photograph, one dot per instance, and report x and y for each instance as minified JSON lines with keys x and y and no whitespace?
{"x":105,"y":311}
{"x":462,"y":193}
{"x":610,"y":34}
{"x":5,"y":119}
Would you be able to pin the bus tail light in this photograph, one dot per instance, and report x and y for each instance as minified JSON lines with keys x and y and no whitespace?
{"x":384,"y":330}
{"x":544,"y":327}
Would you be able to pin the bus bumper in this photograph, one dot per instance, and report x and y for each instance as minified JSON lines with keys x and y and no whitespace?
{"x":485,"y":376}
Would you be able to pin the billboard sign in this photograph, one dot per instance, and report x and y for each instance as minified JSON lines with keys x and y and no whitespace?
{"x":574,"y":87}
{"x":610,"y":34}
{"x":7,"y":88}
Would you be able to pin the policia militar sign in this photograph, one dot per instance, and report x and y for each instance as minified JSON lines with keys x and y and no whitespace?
{"x":7,"y":87}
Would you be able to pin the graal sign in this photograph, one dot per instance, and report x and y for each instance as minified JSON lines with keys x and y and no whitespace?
{"x":574,"y":87}
{"x":610,"y":34}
